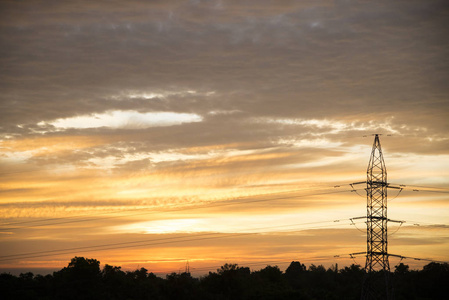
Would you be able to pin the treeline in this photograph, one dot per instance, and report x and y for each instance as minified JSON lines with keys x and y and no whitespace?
{"x":83,"y":279}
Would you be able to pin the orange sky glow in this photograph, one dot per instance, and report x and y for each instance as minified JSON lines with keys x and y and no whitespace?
{"x":215,"y":132}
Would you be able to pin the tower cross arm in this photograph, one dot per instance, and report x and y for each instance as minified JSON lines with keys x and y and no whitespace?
{"x":395,"y":221}
{"x":359,"y":182}
{"x":358,"y":253}
{"x":394,"y":187}
{"x":388,"y":185}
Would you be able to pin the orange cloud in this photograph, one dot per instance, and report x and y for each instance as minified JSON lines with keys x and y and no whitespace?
{"x":52,"y":145}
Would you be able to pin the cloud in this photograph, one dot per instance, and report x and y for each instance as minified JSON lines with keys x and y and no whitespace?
{"x":106,"y":105}
{"x":357,"y":60}
{"x":125,"y":119}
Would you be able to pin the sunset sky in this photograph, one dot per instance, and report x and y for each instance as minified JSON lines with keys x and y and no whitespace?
{"x":152,"y":133}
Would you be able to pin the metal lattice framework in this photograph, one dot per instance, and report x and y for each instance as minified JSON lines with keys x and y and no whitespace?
{"x":377,"y":267}
{"x":376,"y":211}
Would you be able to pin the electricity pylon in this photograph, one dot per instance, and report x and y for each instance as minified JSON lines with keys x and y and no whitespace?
{"x":376,"y":227}
{"x":377,"y":283}
{"x":187,"y":268}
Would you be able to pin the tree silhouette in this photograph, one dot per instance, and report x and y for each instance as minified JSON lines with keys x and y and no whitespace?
{"x":114,"y":282}
{"x":230,"y":281}
{"x":269,"y":283}
{"x":182,"y":286}
{"x":82,"y":279}
{"x":295,"y":274}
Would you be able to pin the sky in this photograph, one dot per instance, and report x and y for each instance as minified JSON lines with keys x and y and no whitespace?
{"x":156,"y":133}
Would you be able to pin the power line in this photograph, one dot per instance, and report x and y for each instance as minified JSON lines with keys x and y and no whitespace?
{"x":147,"y":242}
{"x":211,"y":205}
{"x":422,"y":186}
{"x":412,"y":223}
{"x":75,"y":219}
{"x":417,"y":258}
{"x":121,"y":246}
{"x":354,"y":255}
{"x":403,"y":187}
{"x":430,"y":191}
{"x":415,"y":223}
{"x":138,"y":209}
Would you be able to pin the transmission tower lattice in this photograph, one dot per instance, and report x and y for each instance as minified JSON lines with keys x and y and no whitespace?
{"x":377,"y":282}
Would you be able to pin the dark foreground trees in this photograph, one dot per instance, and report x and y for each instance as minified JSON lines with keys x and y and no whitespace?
{"x":83,"y":279}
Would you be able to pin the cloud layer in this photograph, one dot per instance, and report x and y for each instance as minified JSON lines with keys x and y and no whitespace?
{"x":110,"y":105}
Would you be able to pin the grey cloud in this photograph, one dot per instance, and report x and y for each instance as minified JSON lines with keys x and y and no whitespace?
{"x":274,"y":60}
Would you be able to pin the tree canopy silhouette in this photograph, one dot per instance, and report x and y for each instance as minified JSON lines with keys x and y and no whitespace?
{"x":83,"y":279}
